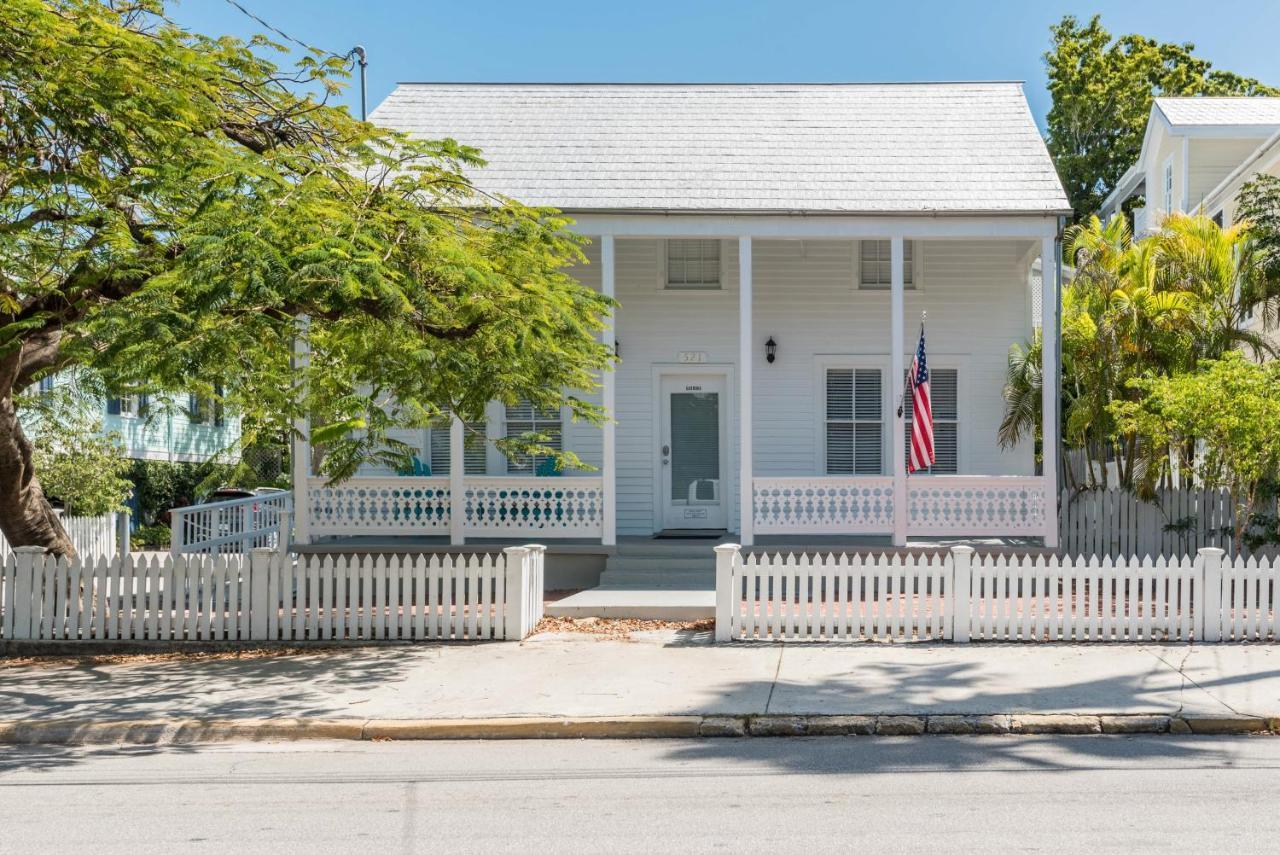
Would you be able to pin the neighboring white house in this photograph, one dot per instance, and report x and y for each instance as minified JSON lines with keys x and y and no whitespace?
{"x":1196,"y":155}
{"x":773,"y":249}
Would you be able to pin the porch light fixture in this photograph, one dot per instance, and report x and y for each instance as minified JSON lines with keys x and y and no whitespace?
{"x":770,"y":350}
{"x":617,"y":349}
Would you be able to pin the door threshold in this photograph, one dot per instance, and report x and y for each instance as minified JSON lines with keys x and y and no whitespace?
{"x":690,"y":534}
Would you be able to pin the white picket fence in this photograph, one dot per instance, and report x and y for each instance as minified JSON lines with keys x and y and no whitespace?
{"x":268,"y":597}
{"x":1177,"y":522}
{"x":957,"y":596}
{"x":89,"y":535}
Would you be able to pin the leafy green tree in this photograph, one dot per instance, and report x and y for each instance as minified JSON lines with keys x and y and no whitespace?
{"x":1153,"y":308}
{"x":81,"y":467}
{"x":1102,"y":88}
{"x":1258,"y":204}
{"x":1230,"y":405}
{"x":173,"y":206}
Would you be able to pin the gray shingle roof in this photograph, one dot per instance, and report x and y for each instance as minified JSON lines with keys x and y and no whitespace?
{"x":1220,"y":111}
{"x":882,"y":148}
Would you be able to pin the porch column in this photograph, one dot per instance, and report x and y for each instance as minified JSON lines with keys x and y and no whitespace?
{"x":746,"y":345}
{"x":897,"y":444}
{"x":301,"y":452}
{"x":608,"y":454}
{"x":457,"y":481}
{"x":1049,"y":262}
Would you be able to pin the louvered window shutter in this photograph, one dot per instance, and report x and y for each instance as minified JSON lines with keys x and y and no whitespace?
{"x":944,"y":386}
{"x":854,"y":421}
{"x":474,"y":449}
{"x":525,"y":418}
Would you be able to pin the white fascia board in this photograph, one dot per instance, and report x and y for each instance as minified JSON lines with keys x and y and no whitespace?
{"x":815,"y":227}
{"x":1157,"y":121}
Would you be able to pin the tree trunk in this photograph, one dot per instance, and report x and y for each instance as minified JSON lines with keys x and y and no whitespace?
{"x":26,"y":517}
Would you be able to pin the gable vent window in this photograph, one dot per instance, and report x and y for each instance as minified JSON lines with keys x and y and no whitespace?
{"x":474,"y":448}
{"x":875,"y":265}
{"x":525,"y":418}
{"x":854,"y":422}
{"x":693,"y":265}
{"x":944,"y":396}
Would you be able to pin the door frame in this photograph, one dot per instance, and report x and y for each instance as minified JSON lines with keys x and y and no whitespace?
{"x":678,"y":369}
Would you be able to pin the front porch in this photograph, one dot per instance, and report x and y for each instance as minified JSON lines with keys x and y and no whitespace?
{"x":773,"y":465}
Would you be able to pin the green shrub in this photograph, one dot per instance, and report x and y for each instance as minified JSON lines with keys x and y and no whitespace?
{"x":150,"y":537}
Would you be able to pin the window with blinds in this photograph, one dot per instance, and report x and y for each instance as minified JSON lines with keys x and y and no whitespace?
{"x":525,"y":418}
{"x":854,"y":421}
{"x":944,"y":396}
{"x":474,"y":449}
{"x":693,"y":265}
{"x":875,"y":264}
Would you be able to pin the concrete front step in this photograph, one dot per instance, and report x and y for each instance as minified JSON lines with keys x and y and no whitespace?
{"x":693,"y":580}
{"x":659,"y":564}
{"x":642,"y":603}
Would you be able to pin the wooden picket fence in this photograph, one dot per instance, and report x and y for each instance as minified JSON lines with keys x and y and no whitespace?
{"x":1177,"y":522}
{"x":957,"y":596}
{"x":90,"y":535}
{"x":269,"y":597}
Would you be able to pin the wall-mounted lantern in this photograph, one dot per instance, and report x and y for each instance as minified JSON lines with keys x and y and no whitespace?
{"x":770,"y":350}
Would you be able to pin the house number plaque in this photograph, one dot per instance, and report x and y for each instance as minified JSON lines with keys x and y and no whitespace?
{"x":689,"y":357}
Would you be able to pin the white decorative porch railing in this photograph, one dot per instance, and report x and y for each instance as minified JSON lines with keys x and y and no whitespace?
{"x":498,"y":506}
{"x":937,"y":505}
{"x":363,"y":505}
{"x":493,"y":506}
{"x":976,"y":505}
{"x":823,"y":505}
{"x":236,"y":525}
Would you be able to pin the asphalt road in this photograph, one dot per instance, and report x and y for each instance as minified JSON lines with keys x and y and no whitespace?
{"x":934,"y":794}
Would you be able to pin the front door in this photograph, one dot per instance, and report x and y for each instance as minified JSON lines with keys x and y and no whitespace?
{"x":693,"y":451}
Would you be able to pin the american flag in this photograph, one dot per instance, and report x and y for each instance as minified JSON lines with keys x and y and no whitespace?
{"x":921,"y":455}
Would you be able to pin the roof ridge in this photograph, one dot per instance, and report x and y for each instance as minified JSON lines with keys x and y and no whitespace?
{"x":628,"y":83}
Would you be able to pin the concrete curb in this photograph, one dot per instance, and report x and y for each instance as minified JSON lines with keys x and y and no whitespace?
{"x":188,"y":731}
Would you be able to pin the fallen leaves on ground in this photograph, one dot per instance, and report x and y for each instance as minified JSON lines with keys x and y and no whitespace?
{"x":617,"y":628}
{"x":143,"y":657}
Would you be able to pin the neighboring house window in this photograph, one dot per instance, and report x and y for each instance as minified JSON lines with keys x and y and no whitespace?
{"x":854,"y":421}
{"x":129,"y":406}
{"x":875,"y":264}
{"x":945,"y":399}
{"x":525,"y":418}
{"x":46,"y":384}
{"x":693,"y":265}
{"x":206,"y":411}
{"x":474,"y":448}
{"x":1168,"y":186}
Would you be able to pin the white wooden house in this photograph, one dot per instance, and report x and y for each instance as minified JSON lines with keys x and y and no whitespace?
{"x":772,"y":248}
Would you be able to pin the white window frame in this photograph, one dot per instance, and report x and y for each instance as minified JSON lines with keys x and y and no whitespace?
{"x":913,"y":270}
{"x":664,"y":283}
{"x":963,"y":421}
{"x":133,"y":409}
{"x":822,"y":365}
{"x":501,"y":410}
{"x":443,"y":429}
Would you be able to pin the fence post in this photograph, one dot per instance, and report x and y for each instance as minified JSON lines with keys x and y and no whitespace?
{"x":246,"y":528}
{"x":961,"y":592}
{"x":259,"y":601}
{"x":285,"y":531}
{"x":27,"y":582}
{"x":122,"y":532}
{"x":726,"y":554}
{"x":1208,"y":604}
{"x":537,"y":581}
{"x":516,"y":623}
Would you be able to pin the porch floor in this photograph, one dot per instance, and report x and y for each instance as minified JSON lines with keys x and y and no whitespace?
{"x":649,"y":604}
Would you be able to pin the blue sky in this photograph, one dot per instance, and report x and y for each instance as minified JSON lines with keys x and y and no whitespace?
{"x":734,"y":40}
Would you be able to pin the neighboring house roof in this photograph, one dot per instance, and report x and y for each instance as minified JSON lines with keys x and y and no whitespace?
{"x":749,"y":148}
{"x":1218,"y":112}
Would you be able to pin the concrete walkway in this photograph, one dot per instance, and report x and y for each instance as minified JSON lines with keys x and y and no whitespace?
{"x":655,"y":674}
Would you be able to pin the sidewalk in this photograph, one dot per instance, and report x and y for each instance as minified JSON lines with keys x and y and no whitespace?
{"x":656,"y":674}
